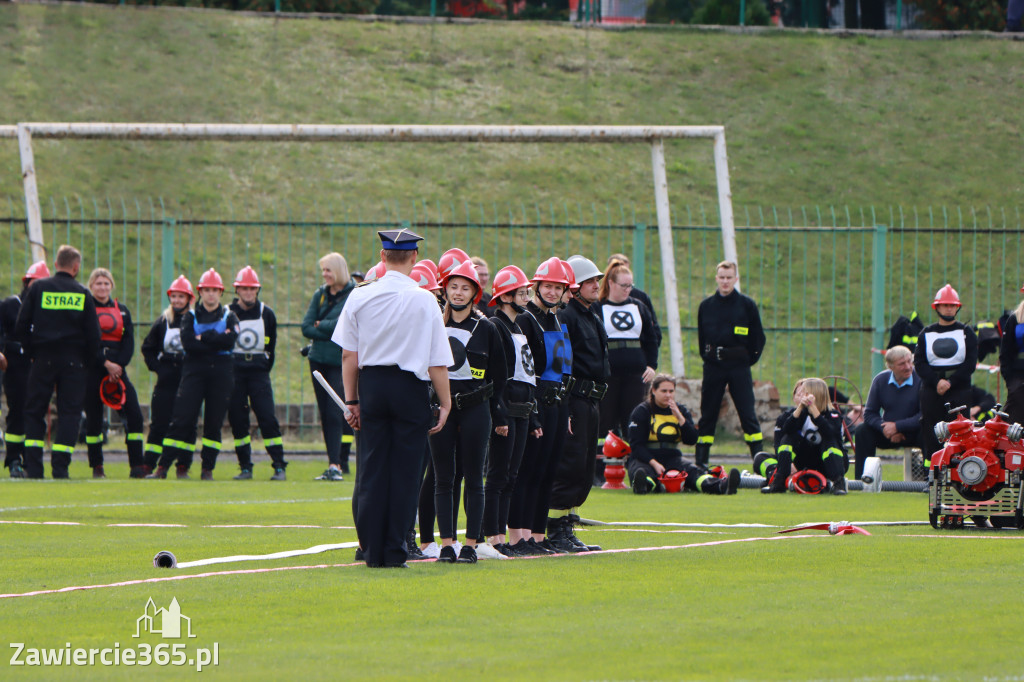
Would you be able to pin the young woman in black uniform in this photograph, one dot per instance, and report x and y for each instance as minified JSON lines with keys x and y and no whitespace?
{"x":632,"y":351}
{"x":1011,"y":363}
{"x":162,"y":351}
{"x":552,"y":356}
{"x":117,"y":344}
{"x":208,"y":334}
{"x":477,"y":380}
{"x":511,"y":292}
{"x":808,"y":436}
{"x":657,"y":427}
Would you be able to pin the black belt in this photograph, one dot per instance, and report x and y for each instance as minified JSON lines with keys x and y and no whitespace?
{"x":520,"y":410}
{"x":620,"y":343}
{"x":469,"y":399}
{"x":728,"y":353}
{"x":549,"y":392}
{"x":585,"y":388}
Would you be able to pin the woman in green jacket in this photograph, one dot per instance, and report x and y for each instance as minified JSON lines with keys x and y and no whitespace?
{"x":325,"y":357}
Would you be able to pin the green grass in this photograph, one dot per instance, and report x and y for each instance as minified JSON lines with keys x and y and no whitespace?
{"x":886,"y":606}
{"x":809,"y":118}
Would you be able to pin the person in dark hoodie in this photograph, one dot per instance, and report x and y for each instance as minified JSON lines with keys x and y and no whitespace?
{"x":208,"y":333}
{"x":164,"y":355}
{"x":108,"y":382}
{"x":254,"y":358}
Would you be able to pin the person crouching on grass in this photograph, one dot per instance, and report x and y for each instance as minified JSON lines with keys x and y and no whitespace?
{"x":657,"y":427}
{"x":807,"y":437}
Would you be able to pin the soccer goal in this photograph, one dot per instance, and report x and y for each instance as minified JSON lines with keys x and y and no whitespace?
{"x":654,"y":136}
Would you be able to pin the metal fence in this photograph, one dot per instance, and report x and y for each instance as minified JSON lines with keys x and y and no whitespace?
{"x":829,"y":280}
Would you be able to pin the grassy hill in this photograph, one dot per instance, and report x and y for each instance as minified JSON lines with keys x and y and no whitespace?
{"x":810,"y":119}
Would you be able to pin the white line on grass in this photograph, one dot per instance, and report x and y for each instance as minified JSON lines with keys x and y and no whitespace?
{"x":171,"y":525}
{"x":252,"y":571}
{"x":162,"y":504}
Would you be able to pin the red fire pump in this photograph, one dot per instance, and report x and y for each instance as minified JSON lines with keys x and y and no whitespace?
{"x":978,"y":473}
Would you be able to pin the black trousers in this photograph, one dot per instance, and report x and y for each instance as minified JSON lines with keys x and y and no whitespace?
{"x":503,"y":460}
{"x":205,"y":384}
{"x":867,"y":440}
{"x":933,"y":411}
{"x":253,"y":390}
{"x":465,"y":437}
{"x":395,"y":418}
{"x":15,"y":384}
{"x":1014,"y":399}
{"x":532,"y":493}
{"x":130,"y":414}
{"x":670,"y":459}
{"x":161,"y":409}
{"x":575,"y":472}
{"x":66,"y":372}
{"x":741,"y":387}
{"x":427,"y":514}
{"x":338,"y":436}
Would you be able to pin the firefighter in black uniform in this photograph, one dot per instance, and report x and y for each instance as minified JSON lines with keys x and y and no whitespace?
{"x":511,"y":292}
{"x":254,"y":358}
{"x":657,"y":427}
{"x":16,"y":373}
{"x":730,"y":339}
{"x":528,"y":511}
{"x":107,"y":376}
{"x":58,"y":329}
{"x":164,"y":355}
{"x":1011,"y":363}
{"x":590,"y":372}
{"x":208,"y":333}
{"x":945,"y":358}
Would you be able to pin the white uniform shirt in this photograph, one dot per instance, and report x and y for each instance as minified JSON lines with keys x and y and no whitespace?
{"x":394,"y":322}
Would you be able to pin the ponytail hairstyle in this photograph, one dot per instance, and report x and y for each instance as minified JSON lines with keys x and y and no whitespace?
{"x":615,"y":268}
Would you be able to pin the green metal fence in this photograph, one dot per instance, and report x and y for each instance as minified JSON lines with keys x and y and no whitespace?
{"x":828,"y":280}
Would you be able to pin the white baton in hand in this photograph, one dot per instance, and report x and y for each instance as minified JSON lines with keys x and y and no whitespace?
{"x":331,"y":392}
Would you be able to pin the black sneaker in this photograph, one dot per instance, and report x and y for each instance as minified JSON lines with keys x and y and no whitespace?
{"x":17,"y":471}
{"x":360,"y":554}
{"x":642,"y":484}
{"x":244,"y":475}
{"x":466,"y":556}
{"x":538,"y":549}
{"x":331,"y":474}
{"x":839,"y":485}
{"x":279,"y":475}
{"x":447,"y":555}
{"x":505,"y":550}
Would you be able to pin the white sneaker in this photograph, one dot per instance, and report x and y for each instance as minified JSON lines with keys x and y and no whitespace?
{"x":485,"y":551}
{"x":432,"y":551}
{"x":457,"y":546}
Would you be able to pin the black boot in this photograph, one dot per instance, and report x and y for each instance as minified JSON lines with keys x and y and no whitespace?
{"x":839,"y":485}
{"x":559,"y":530}
{"x":702,"y":454}
{"x":574,"y":520}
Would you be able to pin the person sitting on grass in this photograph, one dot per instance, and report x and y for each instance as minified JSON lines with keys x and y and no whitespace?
{"x":807,"y":437}
{"x":657,"y":427}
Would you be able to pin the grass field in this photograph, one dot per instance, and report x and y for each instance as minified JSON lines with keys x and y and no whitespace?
{"x":906,"y":603}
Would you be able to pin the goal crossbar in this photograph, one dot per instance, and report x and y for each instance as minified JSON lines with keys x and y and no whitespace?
{"x":652,"y":135}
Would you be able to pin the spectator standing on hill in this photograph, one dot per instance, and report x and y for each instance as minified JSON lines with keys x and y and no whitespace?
{"x":730,"y":339}
{"x":324,"y":356}
{"x":16,"y":371}
{"x":59,"y":331}
{"x":393,"y":342}
{"x":254,"y":358}
{"x":892,"y":414}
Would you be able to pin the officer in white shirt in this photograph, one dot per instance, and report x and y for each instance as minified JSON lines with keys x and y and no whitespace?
{"x":393,"y":342}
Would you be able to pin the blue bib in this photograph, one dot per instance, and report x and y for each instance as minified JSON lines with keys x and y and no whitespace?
{"x":219,"y":326}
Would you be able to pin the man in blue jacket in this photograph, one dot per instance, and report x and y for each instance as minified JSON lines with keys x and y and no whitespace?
{"x":892,"y":415}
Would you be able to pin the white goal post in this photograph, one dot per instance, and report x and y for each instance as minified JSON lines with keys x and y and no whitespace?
{"x":652,"y":135}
